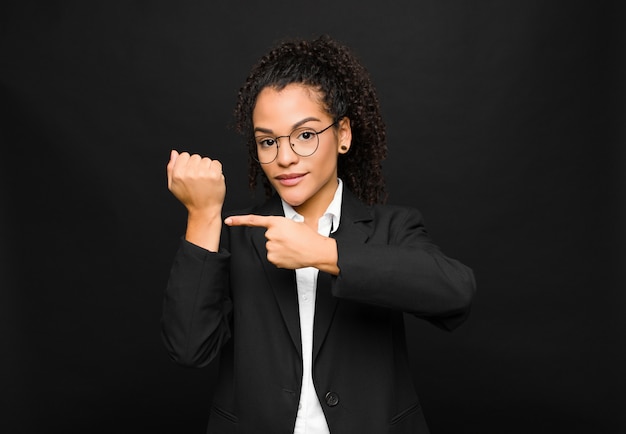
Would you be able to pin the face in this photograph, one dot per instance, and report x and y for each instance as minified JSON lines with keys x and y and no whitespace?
{"x":306,"y":183}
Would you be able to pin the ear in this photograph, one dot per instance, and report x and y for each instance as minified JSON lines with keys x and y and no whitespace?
{"x":344,"y":134}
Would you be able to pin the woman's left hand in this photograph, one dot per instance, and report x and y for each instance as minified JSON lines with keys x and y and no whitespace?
{"x":292,"y":244}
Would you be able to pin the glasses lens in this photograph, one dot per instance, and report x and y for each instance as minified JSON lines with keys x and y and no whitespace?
{"x":266,"y":149}
{"x":304,"y":141}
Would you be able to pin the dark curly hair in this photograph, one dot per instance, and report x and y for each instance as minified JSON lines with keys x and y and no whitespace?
{"x":347,"y":91}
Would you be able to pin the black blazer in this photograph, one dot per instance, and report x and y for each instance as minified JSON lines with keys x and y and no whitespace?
{"x":235,"y":303}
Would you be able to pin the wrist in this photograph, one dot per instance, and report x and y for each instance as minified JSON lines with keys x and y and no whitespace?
{"x":204,"y":229}
{"x":204,"y":214}
{"x":327,"y":257}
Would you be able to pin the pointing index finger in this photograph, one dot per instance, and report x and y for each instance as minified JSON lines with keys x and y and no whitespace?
{"x":250,"y":220}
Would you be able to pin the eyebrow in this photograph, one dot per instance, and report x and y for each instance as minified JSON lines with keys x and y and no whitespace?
{"x":296,"y":125}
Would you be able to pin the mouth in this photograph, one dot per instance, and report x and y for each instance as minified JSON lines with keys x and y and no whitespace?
{"x":290,"y":179}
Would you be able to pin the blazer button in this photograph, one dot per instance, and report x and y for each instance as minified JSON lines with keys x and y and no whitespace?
{"x":332,"y":399}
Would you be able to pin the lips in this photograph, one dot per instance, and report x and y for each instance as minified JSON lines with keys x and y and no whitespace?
{"x":290,"y":179}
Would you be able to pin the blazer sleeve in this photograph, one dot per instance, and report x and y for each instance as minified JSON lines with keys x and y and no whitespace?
{"x":195,"y":320}
{"x":400,"y":268}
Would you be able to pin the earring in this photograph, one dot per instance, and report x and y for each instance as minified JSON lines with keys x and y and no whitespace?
{"x":344,"y":148}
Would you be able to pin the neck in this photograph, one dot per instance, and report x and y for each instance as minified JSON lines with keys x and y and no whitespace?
{"x":312,"y":212}
{"x":313,"y":209}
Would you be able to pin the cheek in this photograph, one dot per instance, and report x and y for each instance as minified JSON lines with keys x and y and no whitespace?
{"x":268,"y":169}
{"x":329,"y":157}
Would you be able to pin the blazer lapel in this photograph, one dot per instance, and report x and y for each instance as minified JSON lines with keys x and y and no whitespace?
{"x":354,"y":227}
{"x":282,"y":281}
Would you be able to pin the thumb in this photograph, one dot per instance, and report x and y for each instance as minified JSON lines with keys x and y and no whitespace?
{"x":170,"y":166}
{"x":173,"y":156}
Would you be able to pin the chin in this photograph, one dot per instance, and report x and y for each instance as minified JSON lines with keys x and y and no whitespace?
{"x":292,"y":199}
{"x":293,"y":203}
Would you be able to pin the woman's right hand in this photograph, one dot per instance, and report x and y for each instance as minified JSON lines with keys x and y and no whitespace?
{"x":198,"y":182}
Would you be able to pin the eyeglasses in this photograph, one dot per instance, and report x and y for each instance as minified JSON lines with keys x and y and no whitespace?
{"x":304,"y":142}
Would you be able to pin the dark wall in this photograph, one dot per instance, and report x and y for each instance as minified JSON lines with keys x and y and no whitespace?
{"x":506,"y":129}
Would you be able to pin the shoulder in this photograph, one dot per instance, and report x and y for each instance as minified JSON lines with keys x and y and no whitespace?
{"x":378,"y":213}
{"x":397,"y":219}
{"x":395,"y":211}
{"x":389,"y":224}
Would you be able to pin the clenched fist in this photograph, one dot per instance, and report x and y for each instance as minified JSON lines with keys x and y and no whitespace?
{"x":198,"y":182}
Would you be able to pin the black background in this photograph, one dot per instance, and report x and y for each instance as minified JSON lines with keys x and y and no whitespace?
{"x":506,"y":129}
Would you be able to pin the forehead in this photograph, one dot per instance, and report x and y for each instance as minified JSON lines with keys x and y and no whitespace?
{"x":290,"y":101}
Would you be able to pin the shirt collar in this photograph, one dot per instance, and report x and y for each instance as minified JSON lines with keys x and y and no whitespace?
{"x":333,"y":211}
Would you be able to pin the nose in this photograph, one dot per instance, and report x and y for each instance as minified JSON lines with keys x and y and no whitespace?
{"x":286,"y":156}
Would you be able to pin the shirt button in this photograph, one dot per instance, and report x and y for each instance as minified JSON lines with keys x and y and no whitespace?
{"x":332,"y":399}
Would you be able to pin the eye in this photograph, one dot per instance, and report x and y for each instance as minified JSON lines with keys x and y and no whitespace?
{"x":265,"y":142}
{"x":305,"y":135}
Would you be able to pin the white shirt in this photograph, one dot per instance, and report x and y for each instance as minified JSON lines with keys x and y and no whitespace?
{"x":310,"y":418}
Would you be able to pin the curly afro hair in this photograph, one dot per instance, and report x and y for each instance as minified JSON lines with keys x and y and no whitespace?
{"x":334,"y":71}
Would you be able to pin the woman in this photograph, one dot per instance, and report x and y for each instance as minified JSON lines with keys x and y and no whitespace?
{"x":303,"y":296}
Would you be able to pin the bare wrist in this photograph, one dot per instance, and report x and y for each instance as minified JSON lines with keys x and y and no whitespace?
{"x":204,"y":229}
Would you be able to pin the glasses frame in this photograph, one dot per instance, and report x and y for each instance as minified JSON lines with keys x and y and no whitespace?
{"x":291,"y":145}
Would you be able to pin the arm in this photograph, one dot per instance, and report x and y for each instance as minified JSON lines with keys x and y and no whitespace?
{"x":199,"y":184}
{"x":400,"y":268}
{"x":196,"y":307}
{"x":195,"y":322}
